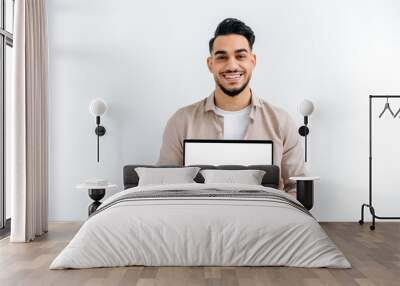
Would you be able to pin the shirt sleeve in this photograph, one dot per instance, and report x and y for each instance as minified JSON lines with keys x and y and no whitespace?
{"x":171,"y":152}
{"x":293,"y":155}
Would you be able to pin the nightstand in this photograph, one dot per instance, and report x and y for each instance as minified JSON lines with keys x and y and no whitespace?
{"x":305,"y":190}
{"x":96,"y":193}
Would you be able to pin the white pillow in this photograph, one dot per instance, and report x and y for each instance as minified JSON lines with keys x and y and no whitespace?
{"x":248,"y":177}
{"x":164,"y":176}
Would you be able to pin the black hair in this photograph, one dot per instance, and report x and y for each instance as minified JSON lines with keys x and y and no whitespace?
{"x":233,"y":26}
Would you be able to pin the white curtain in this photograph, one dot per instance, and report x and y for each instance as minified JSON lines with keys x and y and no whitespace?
{"x":28,"y":123}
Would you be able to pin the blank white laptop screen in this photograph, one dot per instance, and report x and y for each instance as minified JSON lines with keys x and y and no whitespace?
{"x":227,"y":152}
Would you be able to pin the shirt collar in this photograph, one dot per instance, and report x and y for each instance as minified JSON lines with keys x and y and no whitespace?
{"x":210,"y":104}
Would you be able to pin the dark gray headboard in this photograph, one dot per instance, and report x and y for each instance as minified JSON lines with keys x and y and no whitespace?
{"x":270,"y":179}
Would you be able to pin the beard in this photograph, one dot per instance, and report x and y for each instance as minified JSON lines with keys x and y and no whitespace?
{"x":235,"y":91}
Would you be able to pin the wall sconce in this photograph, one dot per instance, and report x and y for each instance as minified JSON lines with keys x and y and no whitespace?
{"x":306,"y":107}
{"x":97,"y":108}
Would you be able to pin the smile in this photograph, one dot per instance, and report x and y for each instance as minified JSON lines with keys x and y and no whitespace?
{"x":233,"y":77}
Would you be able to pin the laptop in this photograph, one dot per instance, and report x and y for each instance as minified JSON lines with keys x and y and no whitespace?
{"x":227,"y":152}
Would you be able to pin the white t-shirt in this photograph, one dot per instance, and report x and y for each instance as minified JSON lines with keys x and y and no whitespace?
{"x":235,"y":122}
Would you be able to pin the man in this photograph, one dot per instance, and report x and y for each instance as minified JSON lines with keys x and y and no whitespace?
{"x":232,"y":111}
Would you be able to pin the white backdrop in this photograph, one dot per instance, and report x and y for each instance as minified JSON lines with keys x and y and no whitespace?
{"x":148,"y":58}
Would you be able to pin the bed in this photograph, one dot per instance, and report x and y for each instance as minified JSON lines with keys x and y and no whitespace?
{"x":201,"y":224}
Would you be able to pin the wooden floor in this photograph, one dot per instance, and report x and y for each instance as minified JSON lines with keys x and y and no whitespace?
{"x":375,"y":257}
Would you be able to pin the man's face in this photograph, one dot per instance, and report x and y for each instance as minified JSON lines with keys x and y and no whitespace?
{"x":232,"y":63}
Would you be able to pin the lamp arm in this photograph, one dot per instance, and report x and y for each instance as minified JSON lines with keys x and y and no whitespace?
{"x":98,"y":136}
{"x":305,"y":147}
{"x":98,"y":146}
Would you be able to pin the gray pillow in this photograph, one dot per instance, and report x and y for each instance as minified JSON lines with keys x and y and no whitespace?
{"x":163,"y":176}
{"x":249,"y":177}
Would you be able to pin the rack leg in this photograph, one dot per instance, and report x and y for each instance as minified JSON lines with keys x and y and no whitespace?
{"x":372,"y":210}
{"x":361,"y":221}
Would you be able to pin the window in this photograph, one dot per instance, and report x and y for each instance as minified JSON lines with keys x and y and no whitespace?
{"x":6,"y":44}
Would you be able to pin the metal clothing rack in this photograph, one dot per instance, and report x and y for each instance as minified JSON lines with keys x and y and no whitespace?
{"x":369,"y":205}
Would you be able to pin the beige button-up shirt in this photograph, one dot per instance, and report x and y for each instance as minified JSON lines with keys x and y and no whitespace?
{"x":267,"y":122}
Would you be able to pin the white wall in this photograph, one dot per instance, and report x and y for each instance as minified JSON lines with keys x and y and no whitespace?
{"x":148,"y":58}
